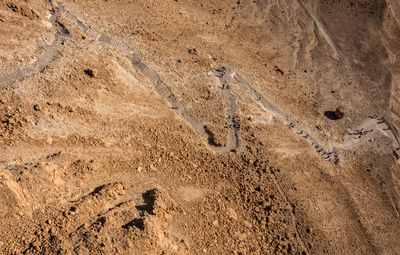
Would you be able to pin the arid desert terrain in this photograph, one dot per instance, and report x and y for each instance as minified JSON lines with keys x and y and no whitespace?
{"x":199,"y":127}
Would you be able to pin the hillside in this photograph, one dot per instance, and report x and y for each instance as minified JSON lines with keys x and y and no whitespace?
{"x":199,"y":127}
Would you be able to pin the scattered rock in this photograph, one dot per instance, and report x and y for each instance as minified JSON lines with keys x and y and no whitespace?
{"x":81,"y":34}
{"x":231,"y":213}
{"x":278,"y":70}
{"x":247,"y":224}
{"x":160,"y":202}
{"x":4,"y":18}
{"x":91,"y":72}
{"x":192,"y":51}
{"x":138,"y":223}
{"x":339,"y":113}
{"x":24,"y":10}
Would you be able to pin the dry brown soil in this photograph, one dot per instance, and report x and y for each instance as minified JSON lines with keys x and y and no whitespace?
{"x":199,"y":127}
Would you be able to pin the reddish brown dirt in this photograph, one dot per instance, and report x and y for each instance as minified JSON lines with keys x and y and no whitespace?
{"x":94,"y":160}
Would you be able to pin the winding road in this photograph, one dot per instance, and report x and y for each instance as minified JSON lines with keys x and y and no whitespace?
{"x":225,"y":75}
{"x":43,"y":61}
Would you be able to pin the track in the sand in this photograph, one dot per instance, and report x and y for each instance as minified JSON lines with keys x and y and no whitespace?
{"x":164,"y":90}
{"x":227,"y":96}
{"x":43,"y":61}
{"x":223,"y":73}
{"x":380,"y":120}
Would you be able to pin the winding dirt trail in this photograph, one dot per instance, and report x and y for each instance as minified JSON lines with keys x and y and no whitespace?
{"x":228,"y":98}
{"x":327,"y":37}
{"x":43,"y":61}
{"x":224,"y":74}
{"x":236,"y":93}
{"x":381,"y":124}
{"x":164,"y":90}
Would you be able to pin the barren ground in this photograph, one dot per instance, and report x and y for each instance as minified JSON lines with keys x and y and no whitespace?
{"x":199,"y":127}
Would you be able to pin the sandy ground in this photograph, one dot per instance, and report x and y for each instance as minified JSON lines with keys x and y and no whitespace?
{"x":199,"y":127}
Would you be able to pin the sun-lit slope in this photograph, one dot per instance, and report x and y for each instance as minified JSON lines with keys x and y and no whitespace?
{"x":187,"y":127}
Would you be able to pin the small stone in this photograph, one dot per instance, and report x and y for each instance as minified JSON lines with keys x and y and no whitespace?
{"x":242,"y":236}
{"x":3,"y":18}
{"x":36,"y":107}
{"x":139,"y":169}
{"x":186,"y":243}
{"x":232,"y":214}
{"x":35,"y":13}
{"x":82,"y":34}
{"x":192,"y":51}
{"x":247,"y":224}
{"x":215,"y":223}
{"x":91,"y":72}
{"x":339,"y":114}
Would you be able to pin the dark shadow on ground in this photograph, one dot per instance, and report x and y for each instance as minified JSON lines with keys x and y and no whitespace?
{"x":330,"y":115}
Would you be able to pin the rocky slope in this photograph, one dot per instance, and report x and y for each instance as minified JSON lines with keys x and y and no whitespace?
{"x":199,"y":127}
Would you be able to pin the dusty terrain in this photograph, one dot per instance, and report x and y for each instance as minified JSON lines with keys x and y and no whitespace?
{"x":199,"y":127}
